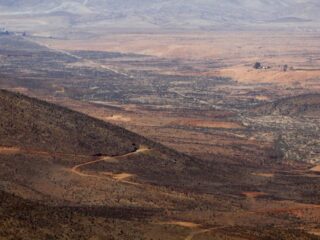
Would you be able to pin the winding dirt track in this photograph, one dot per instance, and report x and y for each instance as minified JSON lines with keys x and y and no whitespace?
{"x":123,"y":176}
{"x":76,"y":169}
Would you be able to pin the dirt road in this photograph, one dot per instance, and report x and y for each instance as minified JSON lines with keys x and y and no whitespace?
{"x":118,"y":177}
{"x":76,"y":169}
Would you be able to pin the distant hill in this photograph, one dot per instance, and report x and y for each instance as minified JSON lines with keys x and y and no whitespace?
{"x":303,"y":105}
{"x":166,"y":13}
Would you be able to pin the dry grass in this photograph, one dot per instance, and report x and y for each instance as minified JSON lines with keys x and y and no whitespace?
{"x":245,"y":74}
{"x":233,"y":45}
{"x":217,"y":139}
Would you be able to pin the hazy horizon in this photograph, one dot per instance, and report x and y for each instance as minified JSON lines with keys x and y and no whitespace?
{"x":85,"y":15}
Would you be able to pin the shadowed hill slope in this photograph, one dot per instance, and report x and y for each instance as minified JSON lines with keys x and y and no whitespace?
{"x":52,"y":153}
{"x":30,"y":123}
{"x":24,"y":219}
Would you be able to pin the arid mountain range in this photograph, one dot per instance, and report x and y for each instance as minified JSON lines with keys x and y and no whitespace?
{"x":82,"y":15}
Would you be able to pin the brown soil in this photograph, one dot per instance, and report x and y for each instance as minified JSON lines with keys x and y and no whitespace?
{"x":254,"y":194}
{"x":315,"y":169}
{"x":206,"y":124}
{"x":267,"y":175}
{"x":183,"y":224}
{"x":118,"y":118}
{"x":315,"y":232}
{"x":9,"y":150}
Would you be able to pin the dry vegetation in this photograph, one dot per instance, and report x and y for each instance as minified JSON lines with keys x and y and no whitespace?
{"x":251,"y":169}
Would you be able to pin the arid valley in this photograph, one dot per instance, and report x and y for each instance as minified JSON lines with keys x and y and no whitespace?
{"x":160,"y":134}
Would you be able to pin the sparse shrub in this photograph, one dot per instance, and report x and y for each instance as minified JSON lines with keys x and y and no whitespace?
{"x":257,"y":65}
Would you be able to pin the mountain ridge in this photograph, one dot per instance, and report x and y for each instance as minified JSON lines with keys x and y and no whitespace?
{"x":170,"y":13}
